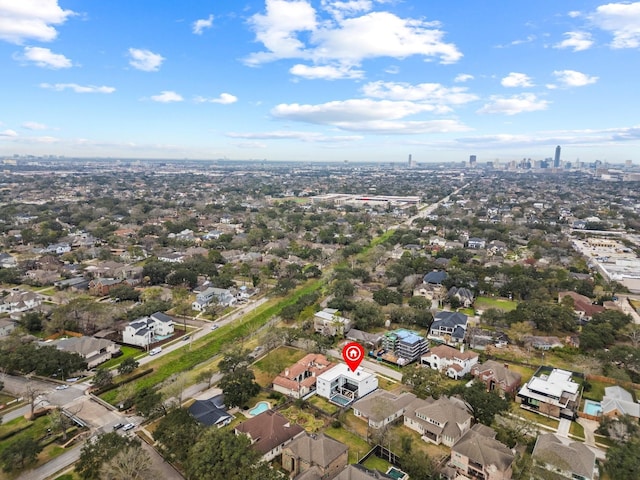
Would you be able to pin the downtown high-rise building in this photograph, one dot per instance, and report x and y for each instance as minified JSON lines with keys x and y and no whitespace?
{"x":472,"y":161}
{"x":556,"y":158}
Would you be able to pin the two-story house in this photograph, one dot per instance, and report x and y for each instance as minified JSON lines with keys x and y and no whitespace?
{"x":19,"y":301}
{"x":453,"y":362}
{"x":220,"y":296}
{"x":554,"y":394}
{"x":147,"y":330}
{"x":444,"y":420}
{"x":317,"y":454}
{"x":448,"y":327}
{"x":497,"y":376}
{"x":269,"y":433}
{"x":329,"y":323}
{"x":381,"y":407}
{"x":479,"y":455}
{"x":565,"y":458}
{"x":300,"y":378}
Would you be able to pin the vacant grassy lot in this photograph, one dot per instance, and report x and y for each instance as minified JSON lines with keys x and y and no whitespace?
{"x":483,"y":303}
{"x":305,"y":418}
{"x":126,"y":353}
{"x":358,"y":448}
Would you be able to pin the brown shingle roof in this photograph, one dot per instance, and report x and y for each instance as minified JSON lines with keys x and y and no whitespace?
{"x":479,"y":446}
{"x":317,"y":449}
{"x":268,"y":430}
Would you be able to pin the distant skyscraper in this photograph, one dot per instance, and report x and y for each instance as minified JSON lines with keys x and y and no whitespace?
{"x":556,"y":159}
{"x":472,"y":161}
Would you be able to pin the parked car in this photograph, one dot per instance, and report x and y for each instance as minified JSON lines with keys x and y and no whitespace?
{"x":214,"y":326}
{"x":118,"y":426}
{"x":155,"y":351}
{"x":62,"y":387}
{"x":186,"y":337}
{"x":128,"y":426}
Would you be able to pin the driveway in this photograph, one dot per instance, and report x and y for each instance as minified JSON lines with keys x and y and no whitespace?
{"x":564,"y":427}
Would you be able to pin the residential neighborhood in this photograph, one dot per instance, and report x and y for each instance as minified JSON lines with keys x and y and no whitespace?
{"x":143,"y":303}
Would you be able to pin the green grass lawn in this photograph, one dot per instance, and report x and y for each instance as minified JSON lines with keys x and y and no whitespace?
{"x":267,"y":368}
{"x":534,"y":417}
{"x":596,"y":392}
{"x":376,"y":463}
{"x":358,"y":448}
{"x":483,"y":303}
{"x":4,"y":399}
{"x":127,"y":352}
{"x":577,"y":430}
{"x":323,"y":404}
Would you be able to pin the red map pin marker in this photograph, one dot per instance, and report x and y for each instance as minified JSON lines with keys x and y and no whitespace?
{"x":353,"y":354}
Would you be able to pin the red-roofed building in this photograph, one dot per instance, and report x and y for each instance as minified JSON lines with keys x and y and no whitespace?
{"x":299,"y":379}
{"x":581,"y":305}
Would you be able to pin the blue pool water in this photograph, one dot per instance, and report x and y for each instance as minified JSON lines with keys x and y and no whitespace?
{"x":592,"y":408}
{"x":341,"y":400}
{"x":395,"y":473}
{"x":259,"y":408}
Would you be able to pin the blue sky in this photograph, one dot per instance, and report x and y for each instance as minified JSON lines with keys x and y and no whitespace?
{"x":320,"y":80}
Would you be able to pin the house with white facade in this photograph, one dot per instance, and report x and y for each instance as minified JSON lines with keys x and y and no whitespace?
{"x":19,"y":301}
{"x":329,"y":323}
{"x":146,"y":330}
{"x":221,"y":296}
{"x":342,"y":386}
{"x":554,"y":394}
{"x":452,"y":362}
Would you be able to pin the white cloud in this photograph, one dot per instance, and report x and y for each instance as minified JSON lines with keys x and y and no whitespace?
{"x":367,"y":115}
{"x":622,"y":20}
{"x":526,"y":102}
{"x":22,"y":20}
{"x":326,"y":72}
{"x":59,"y":87}
{"x":167,"y":96}
{"x":577,"y":40}
{"x":224,"y":99}
{"x":311,"y":137}
{"x":201,"y":24}
{"x":571,"y":78}
{"x":45,"y":58}
{"x":433,"y":93}
{"x":515,"y":79}
{"x":574,"y":14}
{"x":463,"y":77}
{"x":8,"y":133}
{"x":34,"y":126}
{"x":291,"y":29}
{"x":145,"y":60}
{"x":342,"y":9}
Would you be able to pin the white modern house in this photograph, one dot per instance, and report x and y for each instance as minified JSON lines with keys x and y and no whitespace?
{"x":146,"y":330}
{"x":221,"y":296}
{"x":329,"y":323}
{"x":19,"y":301}
{"x":342,"y":386}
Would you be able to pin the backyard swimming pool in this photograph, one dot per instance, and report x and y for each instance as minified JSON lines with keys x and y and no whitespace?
{"x":396,"y":473}
{"x":259,"y":408}
{"x":592,"y":408}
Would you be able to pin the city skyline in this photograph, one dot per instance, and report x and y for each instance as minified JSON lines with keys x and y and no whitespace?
{"x":359,"y":80}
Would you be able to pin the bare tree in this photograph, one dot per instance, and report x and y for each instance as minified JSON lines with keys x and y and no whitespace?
{"x":132,"y":463}
{"x":632,"y":332}
{"x":34,"y":396}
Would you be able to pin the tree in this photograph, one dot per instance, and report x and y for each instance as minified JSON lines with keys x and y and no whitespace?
{"x":484,"y":406}
{"x":385,"y":296}
{"x":96,"y":453}
{"x":124,"y":292}
{"x":32,"y":321}
{"x":176,"y":433}
{"x":367,"y":314}
{"x":149,"y":403}
{"x":102,"y":378}
{"x":623,"y":460}
{"x":221,"y":455}
{"x":129,"y":463}
{"x":206,"y":376}
{"x":238,"y":387}
{"x":20,"y":453}
{"x":426,"y":382}
{"x":33,"y":395}
{"x":632,"y":332}
{"x":128,"y":365}
{"x":233,"y":359}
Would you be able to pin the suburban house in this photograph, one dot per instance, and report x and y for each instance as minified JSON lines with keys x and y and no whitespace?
{"x":269,"y":433}
{"x":6,"y":326}
{"x":448,"y":327}
{"x":146,"y":330}
{"x":476,"y":243}
{"x":479,"y":455}
{"x":403,"y":346}
{"x":564,"y":457}
{"x":342,"y":386}
{"x":221,"y":296}
{"x":463,"y":295}
{"x":444,"y":420}
{"x":582,"y":306}
{"x":453,"y":362}
{"x":94,"y":350}
{"x":102,"y":286}
{"x":617,"y":401}
{"x":554,"y":394}
{"x":541,"y":342}
{"x":321,"y":456}
{"x":172,"y":257}
{"x":435,"y":278}
{"x":329,"y":323}
{"x":355,"y":471}
{"x":368,"y":340}
{"x":19,"y":301}
{"x":299,"y":379}
{"x":381,"y":407}
{"x":211,"y":411}
{"x":497,"y":376}
{"x":7,"y":260}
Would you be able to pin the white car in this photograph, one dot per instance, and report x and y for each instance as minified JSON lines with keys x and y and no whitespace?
{"x":128,"y":426}
{"x":213,"y":327}
{"x":62,"y":387}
